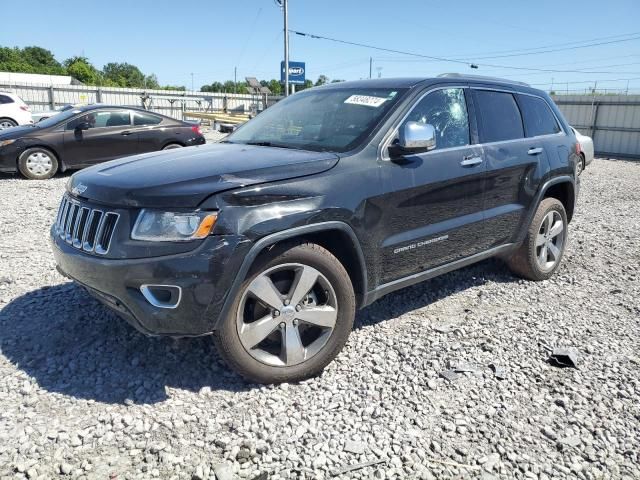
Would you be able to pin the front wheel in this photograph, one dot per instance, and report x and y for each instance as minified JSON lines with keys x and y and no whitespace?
{"x":540,"y":254}
{"x":7,"y":123}
{"x":38,"y":163}
{"x":291,"y":317}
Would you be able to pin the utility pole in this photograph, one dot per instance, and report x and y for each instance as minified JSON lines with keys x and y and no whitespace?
{"x":285,"y":9}
{"x":192,"y":81}
{"x":370,"y":65}
{"x":235,"y":79}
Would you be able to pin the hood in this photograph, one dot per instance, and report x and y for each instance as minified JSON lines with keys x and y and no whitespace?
{"x":16,"y":132}
{"x":185,"y":177}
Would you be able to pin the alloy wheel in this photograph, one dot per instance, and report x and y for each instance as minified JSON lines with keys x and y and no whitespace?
{"x":6,"y":124}
{"x":287,"y":314}
{"x":550,"y":241}
{"x":39,"y":163}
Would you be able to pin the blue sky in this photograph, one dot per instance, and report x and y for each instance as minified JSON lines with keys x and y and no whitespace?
{"x":210,"y":38}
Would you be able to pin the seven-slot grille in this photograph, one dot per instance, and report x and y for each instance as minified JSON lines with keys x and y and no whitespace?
{"x":85,"y":228}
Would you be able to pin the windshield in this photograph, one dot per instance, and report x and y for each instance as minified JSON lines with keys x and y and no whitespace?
{"x":336,"y":120}
{"x":57,"y":118}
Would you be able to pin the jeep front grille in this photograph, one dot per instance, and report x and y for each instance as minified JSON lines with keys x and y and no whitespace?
{"x":85,"y":228}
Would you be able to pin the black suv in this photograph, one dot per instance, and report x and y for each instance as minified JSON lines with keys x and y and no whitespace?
{"x":320,"y":205}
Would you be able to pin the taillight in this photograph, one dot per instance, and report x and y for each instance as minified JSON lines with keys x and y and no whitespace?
{"x":25,"y":108}
{"x":196,"y":129}
{"x":578,"y":148}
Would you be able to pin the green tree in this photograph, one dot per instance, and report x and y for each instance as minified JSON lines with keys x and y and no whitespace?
{"x":29,"y":60}
{"x":81,"y":69}
{"x":322,"y":79}
{"x":275,"y":86}
{"x":123,"y":75}
{"x":42,"y":61}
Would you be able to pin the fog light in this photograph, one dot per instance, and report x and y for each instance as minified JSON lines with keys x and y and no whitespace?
{"x":162,"y":296}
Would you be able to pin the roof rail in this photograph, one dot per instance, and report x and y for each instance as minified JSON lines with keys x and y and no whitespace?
{"x":482,"y":77}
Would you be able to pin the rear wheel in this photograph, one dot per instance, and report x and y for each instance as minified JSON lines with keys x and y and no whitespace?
{"x":171,"y":146}
{"x":292,"y":316}
{"x":7,"y":123}
{"x":38,"y":163}
{"x":540,"y":254}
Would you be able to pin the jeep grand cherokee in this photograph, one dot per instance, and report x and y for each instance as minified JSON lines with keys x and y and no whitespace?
{"x":323,"y":203}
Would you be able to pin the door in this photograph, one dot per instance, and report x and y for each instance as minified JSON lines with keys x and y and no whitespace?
{"x":108,"y":136}
{"x":513,"y":164}
{"x":149,"y":131}
{"x":433,"y":200}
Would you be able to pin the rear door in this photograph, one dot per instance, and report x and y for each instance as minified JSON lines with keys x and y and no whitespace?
{"x":108,"y":137}
{"x":513,"y":164}
{"x":433,"y":200}
{"x":150,"y":130}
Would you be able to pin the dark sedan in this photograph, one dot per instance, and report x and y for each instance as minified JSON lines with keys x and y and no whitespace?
{"x":87,"y":135}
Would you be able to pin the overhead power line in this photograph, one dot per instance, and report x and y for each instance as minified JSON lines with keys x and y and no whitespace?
{"x":444,"y":59}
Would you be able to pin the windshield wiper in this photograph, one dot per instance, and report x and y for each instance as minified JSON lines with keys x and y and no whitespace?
{"x":269,"y":144}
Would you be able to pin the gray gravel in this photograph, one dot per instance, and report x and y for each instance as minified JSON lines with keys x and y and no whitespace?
{"x":83,"y":395}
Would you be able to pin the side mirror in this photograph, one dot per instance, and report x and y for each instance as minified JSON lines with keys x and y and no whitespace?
{"x":83,"y":126}
{"x":417,"y":137}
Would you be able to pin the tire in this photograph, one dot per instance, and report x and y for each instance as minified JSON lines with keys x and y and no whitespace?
{"x":7,"y":123}
{"x":329,"y":302}
{"x":171,"y":146}
{"x":540,"y":254}
{"x":38,"y":163}
{"x":582,"y":165}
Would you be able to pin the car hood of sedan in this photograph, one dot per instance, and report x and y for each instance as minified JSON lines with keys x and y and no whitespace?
{"x":16,"y":132}
{"x":185,"y":177}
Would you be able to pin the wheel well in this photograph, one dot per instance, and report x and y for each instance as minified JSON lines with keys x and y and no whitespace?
{"x":563,"y":192}
{"x":341,"y":246}
{"x":8,"y":118}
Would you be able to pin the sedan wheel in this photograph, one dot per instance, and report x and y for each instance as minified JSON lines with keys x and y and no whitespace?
{"x":39,"y":163}
{"x":6,"y":123}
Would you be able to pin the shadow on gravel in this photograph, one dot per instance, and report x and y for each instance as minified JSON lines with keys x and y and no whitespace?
{"x":430,"y":291}
{"x":72,"y":345}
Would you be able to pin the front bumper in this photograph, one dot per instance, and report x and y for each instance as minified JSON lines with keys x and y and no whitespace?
{"x":204,"y":275}
{"x":9,"y":157}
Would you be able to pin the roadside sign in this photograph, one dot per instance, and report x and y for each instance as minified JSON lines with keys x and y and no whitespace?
{"x":296,"y":72}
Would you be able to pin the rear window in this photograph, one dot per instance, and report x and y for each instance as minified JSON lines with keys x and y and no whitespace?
{"x":5,"y":99}
{"x":538,"y":117}
{"x":499,"y":116}
{"x":145,"y":119}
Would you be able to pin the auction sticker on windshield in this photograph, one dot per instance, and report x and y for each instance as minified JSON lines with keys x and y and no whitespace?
{"x":366,"y":100}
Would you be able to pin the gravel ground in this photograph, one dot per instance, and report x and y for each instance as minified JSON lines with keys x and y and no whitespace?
{"x":83,"y":395}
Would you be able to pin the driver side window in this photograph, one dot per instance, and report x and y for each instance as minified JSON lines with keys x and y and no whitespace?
{"x":446,"y":110}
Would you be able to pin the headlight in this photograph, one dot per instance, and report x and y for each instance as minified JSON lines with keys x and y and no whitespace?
{"x":6,"y":142}
{"x":159,"y":226}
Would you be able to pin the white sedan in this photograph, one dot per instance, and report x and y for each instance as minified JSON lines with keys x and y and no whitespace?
{"x":586,"y":147}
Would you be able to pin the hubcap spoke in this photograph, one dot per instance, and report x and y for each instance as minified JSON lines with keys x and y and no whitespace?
{"x":556,"y":228}
{"x":265,"y":291}
{"x":542,"y":258}
{"x":294,"y":351}
{"x":305,"y":280}
{"x":253,"y":333}
{"x":540,"y":240}
{"x":321,"y":316}
{"x":555,"y":251}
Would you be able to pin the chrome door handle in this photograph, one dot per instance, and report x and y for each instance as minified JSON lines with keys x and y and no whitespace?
{"x":535,"y":151}
{"x":126,"y":132}
{"x":470,"y":161}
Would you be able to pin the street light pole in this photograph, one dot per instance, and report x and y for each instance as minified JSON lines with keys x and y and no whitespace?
{"x":286,"y":47}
